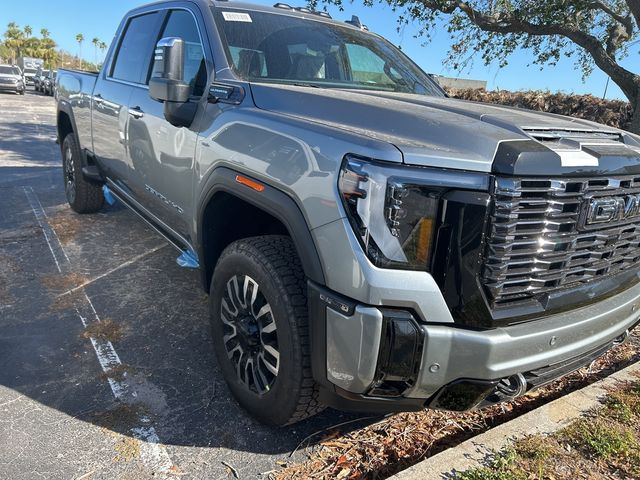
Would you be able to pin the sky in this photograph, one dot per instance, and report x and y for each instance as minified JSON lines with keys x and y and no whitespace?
{"x":100,"y":18}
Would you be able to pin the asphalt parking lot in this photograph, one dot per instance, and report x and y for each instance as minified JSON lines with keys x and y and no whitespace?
{"x":107,"y":367}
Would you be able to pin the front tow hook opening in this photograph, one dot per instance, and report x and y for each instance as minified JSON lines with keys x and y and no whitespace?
{"x":468,"y":394}
{"x":513,"y":386}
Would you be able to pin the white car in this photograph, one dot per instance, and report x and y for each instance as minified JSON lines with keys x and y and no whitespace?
{"x":11,"y":79}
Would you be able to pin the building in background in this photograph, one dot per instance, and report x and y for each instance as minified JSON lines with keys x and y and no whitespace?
{"x":460,"y":83}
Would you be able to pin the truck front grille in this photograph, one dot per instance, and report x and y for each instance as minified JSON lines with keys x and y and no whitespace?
{"x":545,"y":234}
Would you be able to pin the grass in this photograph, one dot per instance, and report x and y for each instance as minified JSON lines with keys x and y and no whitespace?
{"x":606,"y":443}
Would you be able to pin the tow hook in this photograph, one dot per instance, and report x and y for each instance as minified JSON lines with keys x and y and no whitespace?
{"x":513,"y":386}
{"x":622,"y":338}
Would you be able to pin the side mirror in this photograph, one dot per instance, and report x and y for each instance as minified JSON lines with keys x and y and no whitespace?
{"x":167,"y":81}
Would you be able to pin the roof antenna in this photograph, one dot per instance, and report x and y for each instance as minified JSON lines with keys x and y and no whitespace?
{"x":355,"y":21}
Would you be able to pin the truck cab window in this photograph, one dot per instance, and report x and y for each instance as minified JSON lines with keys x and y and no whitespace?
{"x":132,"y":60}
{"x":182,"y":24}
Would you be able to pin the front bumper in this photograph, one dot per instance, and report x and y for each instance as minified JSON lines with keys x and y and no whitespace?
{"x":362,"y":363}
{"x":8,"y":87}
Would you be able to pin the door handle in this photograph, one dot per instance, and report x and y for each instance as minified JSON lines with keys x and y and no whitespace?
{"x":98,"y":99}
{"x":136,"y":112}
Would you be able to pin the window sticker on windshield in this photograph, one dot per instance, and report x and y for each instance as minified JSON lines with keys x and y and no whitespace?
{"x":236,"y":17}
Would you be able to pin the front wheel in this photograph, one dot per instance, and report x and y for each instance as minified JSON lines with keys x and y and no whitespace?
{"x":260,"y":329}
{"x":83,"y":196}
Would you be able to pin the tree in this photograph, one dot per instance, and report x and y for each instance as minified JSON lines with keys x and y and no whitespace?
{"x":96,"y":43}
{"x":14,"y":40}
{"x":103,"y":46}
{"x":27,"y":31}
{"x":80,"y":39}
{"x":48,"y":52}
{"x":44,"y":32}
{"x":596,"y":33}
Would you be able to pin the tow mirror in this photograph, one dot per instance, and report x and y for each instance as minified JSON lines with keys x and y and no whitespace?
{"x":167,"y":81}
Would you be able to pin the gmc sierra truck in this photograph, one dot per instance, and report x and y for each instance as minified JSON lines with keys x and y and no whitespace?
{"x":367,"y":243}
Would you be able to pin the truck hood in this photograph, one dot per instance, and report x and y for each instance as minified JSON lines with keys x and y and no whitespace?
{"x":429,"y":131}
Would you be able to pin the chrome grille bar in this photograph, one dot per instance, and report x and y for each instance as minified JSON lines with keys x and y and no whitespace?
{"x":536,"y":243}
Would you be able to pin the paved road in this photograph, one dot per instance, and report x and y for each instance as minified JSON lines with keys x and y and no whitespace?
{"x":116,"y":379}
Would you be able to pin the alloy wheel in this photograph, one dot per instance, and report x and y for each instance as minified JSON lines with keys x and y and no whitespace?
{"x":250,"y":334}
{"x":69,"y":176}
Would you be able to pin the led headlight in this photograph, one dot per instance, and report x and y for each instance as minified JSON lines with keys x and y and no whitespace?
{"x":394,"y":209}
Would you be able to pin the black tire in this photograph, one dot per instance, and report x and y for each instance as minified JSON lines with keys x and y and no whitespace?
{"x":83,"y":196}
{"x":272,"y":263}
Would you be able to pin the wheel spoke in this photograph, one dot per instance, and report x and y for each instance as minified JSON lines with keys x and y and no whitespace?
{"x":249,"y":302}
{"x":235,"y":310}
{"x":225,"y":306}
{"x":269,"y":327}
{"x":263,"y":311}
{"x":263,"y":379}
{"x":274,"y":353}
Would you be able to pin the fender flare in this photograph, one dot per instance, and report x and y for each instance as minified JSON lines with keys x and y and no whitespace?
{"x":65,"y":107}
{"x":272,"y":201}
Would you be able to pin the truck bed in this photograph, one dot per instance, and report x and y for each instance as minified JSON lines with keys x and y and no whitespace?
{"x":75,"y":89}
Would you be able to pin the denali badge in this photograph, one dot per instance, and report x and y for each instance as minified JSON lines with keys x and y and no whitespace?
{"x":609,"y":209}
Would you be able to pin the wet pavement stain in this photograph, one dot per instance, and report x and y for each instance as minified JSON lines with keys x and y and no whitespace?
{"x":68,"y":225}
{"x":58,"y":282}
{"x":122,"y":417}
{"x":106,"y":330}
{"x":66,"y":303}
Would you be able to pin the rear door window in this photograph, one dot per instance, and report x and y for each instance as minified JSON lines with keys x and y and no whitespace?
{"x":132,"y":59}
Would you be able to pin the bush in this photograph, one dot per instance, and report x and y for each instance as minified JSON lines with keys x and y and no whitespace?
{"x":615,"y":113}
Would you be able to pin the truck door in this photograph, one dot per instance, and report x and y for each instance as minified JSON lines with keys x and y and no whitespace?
{"x":161,"y":156}
{"x":128,"y":68}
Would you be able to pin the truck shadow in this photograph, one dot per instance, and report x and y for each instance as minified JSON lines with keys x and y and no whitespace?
{"x":29,"y":144}
{"x":153,"y":312}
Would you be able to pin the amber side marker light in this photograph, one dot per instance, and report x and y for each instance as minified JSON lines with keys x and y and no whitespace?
{"x":258,"y":187}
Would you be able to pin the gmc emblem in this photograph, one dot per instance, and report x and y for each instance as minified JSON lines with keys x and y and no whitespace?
{"x":613,"y":209}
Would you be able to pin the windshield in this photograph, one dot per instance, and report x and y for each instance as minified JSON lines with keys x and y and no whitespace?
{"x":9,"y":70}
{"x":283,"y":48}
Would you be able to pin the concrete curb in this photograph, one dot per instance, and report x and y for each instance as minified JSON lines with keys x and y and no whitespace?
{"x":546,"y":419}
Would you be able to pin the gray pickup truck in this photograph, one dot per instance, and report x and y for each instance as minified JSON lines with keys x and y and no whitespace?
{"x":367,"y":242}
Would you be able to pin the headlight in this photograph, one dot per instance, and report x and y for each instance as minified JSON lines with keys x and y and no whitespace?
{"x":395,"y":209}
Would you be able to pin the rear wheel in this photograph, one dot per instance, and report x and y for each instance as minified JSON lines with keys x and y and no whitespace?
{"x":260,"y":329}
{"x":83,"y":196}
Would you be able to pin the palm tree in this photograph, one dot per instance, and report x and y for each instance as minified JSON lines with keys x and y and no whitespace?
{"x":103,"y":46}
{"x":27,"y":31}
{"x":14,"y":39}
{"x":44,"y":32}
{"x":96,"y":42}
{"x":80,"y":39}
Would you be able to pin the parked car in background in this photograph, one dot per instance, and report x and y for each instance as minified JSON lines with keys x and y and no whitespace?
{"x":367,"y":242}
{"x":48,"y":84}
{"x":38,"y":79}
{"x":29,"y":67}
{"x":11,"y":79}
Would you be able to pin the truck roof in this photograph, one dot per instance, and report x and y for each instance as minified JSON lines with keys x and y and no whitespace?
{"x":293,"y":10}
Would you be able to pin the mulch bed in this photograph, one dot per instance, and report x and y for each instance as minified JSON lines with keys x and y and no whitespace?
{"x":398,"y":441}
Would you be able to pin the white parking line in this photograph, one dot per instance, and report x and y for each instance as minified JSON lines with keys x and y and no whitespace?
{"x":153,"y":454}
{"x":112,"y":270}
